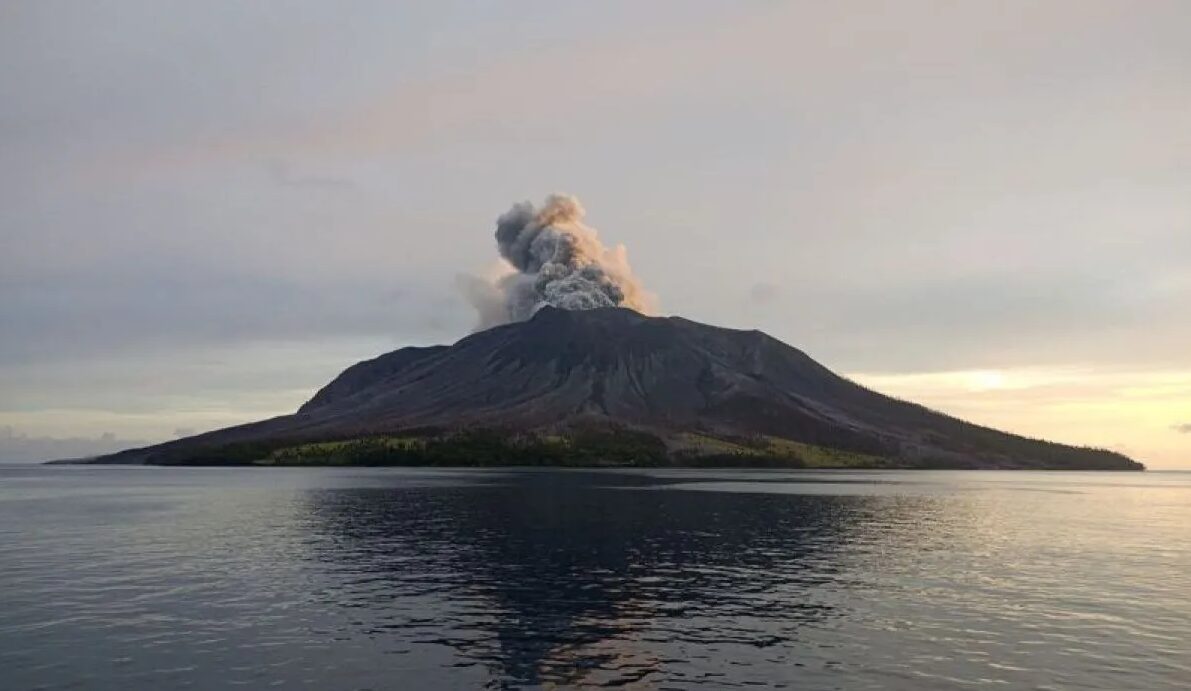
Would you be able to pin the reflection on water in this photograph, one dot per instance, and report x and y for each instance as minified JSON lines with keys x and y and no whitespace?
{"x":119,"y":578}
{"x":557,"y":579}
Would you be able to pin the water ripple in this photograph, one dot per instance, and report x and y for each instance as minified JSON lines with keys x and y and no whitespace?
{"x":143,"y":578}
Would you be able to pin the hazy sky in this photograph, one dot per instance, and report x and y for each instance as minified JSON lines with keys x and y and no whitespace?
{"x":208,"y":209}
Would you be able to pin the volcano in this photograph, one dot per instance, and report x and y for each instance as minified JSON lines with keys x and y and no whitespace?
{"x":612,"y":386}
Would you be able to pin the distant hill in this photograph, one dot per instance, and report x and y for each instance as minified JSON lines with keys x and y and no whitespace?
{"x":611,"y":386}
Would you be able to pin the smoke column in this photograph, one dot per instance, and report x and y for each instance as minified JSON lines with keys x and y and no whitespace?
{"x":555,"y":260}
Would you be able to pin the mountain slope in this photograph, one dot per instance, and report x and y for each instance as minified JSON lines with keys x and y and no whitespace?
{"x":613,"y":368}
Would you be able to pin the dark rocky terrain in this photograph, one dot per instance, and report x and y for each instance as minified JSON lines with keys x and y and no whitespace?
{"x":705,"y":394}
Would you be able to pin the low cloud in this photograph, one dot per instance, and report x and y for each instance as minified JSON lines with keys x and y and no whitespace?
{"x":69,"y":317}
{"x":283,"y":174}
{"x":1184,"y":428}
{"x":16,"y":447}
{"x":763,"y":293}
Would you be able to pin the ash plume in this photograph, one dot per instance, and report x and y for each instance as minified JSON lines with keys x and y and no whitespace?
{"x":552,"y":258}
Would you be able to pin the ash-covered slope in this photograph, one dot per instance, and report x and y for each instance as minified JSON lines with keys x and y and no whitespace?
{"x":612,"y":366}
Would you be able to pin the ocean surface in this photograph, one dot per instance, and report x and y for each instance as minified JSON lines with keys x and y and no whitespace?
{"x":204,"y":578}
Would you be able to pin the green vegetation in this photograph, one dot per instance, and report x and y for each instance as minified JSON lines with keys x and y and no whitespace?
{"x":364,"y":451}
{"x":227,"y":454}
{"x":590,"y":447}
{"x":826,"y":457}
{"x":768,"y":451}
{"x":481,"y":447}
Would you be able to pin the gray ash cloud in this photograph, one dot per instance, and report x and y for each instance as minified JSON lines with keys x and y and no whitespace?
{"x":555,"y":259}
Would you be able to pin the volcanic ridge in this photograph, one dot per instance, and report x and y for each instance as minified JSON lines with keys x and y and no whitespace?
{"x":611,"y":386}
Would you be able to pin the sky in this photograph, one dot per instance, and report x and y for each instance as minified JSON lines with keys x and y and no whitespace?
{"x":207,"y":210}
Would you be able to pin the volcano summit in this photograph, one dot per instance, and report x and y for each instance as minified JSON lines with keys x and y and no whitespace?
{"x":610,"y":386}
